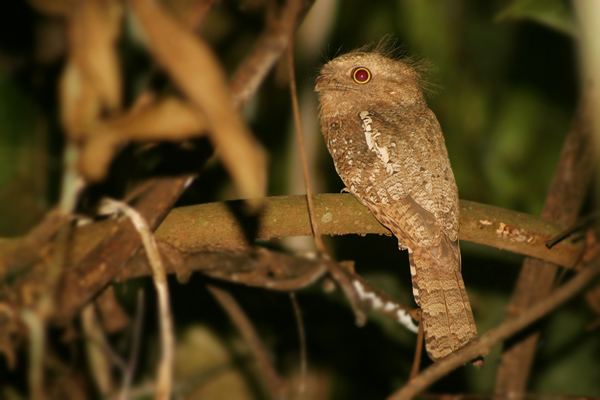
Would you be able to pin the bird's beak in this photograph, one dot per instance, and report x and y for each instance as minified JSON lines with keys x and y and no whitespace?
{"x":319,"y":83}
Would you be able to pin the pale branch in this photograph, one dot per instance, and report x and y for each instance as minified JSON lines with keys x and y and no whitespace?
{"x":164,"y":376}
{"x":98,"y":264}
{"x":209,"y":237}
{"x":485,"y":342}
{"x":128,"y":370}
{"x":214,"y":226}
{"x":262,"y":268}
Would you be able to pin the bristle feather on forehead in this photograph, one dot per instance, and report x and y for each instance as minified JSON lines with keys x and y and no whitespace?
{"x":387,"y":46}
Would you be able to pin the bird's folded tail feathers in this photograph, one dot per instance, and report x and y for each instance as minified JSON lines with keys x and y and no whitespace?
{"x":440,"y":292}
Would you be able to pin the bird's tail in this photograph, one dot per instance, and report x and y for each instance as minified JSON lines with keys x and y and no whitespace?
{"x":440,"y":292}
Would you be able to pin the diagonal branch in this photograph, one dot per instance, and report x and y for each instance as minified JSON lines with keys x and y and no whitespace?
{"x":565,"y":197}
{"x":484,"y":344}
{"x":116,"y":246}
{"x":155,"y":203}
{"x":273,"y":383}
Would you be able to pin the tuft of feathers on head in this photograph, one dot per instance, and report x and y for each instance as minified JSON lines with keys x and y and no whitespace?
{"x":388,"y":46}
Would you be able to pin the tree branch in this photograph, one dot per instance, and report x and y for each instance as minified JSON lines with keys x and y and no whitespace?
{"x":114,"y":248}
{"x":483,"y":344}
{"x":565,"y":196}
{"x":215,"y":226}
{"x":273,"y":383}
{"x":120,"y":246}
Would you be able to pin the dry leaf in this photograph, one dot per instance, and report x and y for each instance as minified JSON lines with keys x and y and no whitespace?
{"x":91,"y":80}
{"x":195,"y":69}
{"x":53,"y":7}
{"x":96,"y":155}
{"x":169,"y":119}
{"x":94,"y":27}
{"x":190,"y":12}
{"x":80,"y":104}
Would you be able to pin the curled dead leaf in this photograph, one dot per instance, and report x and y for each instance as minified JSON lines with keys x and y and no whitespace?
{"x":169,"y":119}
{"x":90,"y":81}
{"x":96,"y":155}
{"x":80,"y":104}
{"x":194,"y":68}
{"x":94,"y":26}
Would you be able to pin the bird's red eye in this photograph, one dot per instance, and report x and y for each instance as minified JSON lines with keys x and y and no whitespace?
{"x":361,"y":75}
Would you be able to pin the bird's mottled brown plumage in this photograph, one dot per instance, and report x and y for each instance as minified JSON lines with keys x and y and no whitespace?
{"x":388,"y":148}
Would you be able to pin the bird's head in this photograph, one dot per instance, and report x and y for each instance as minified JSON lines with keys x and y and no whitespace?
{"x":359,"y":77}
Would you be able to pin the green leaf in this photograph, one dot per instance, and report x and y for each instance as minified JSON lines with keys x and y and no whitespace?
{"x":555,"y":14}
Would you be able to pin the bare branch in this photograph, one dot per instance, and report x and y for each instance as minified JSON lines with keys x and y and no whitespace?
{"x":565,"y":196}
{"x":108,"y":252}
{"x":267,"y":50}
{"x":274,"y":384}
{"x":112,"y":251}
{"x":164,"y":382}
{"x":96,"y":342}
{"x":302,"y":350}
{"x":483,"y":344}
{"x":214,"y":226}
{"x":136,"y":334}
{"x":256,"y":268}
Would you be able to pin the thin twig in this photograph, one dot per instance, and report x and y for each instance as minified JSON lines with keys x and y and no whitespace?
{"x":136,"y":335}
{"x":577,"y":227}
{"x":37,"y":345}
{"x":299,"y":134}
{"x":483,"y":344}
{"x":95,"y":344}
{"x":416,"y":365}
{"x":164,"y":383}
{"x":271,"y":380}
{"x":302,"y":350}
{"x":114,"y":357}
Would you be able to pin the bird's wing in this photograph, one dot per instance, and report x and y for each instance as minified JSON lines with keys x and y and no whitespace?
{"x":418,"y":172}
